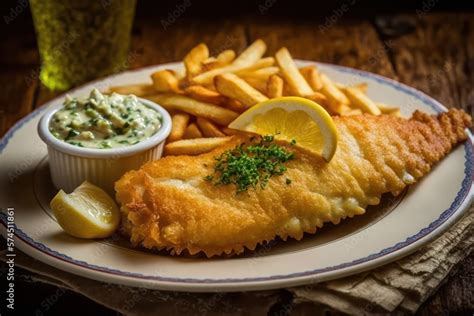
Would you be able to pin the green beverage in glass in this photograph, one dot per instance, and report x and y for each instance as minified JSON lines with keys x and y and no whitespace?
{"x":80,"y":40}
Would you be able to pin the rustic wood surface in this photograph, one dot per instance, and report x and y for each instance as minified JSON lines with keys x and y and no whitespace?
{"x":433,"y":53}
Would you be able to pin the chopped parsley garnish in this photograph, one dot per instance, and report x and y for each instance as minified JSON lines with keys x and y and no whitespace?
{"x":105,"y":144}
{"x":72,"y":133}
{"x":72,"y":105}
{"x":250,"y":166}
{"x":75,"y":143}
{"x":118,"y":131}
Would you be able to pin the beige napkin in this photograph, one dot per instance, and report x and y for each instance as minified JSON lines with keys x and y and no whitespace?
{"x":398,"y":287}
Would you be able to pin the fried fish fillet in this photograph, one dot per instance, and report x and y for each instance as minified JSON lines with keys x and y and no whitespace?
{"x":167,"y":204}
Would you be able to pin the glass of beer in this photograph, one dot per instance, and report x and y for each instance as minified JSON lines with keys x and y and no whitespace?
{"x":81,"y":40}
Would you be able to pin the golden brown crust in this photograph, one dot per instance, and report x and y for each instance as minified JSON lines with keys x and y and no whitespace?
{"x":168,"y":205}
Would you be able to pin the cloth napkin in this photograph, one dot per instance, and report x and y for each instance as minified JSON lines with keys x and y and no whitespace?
{"x":396,"y":288}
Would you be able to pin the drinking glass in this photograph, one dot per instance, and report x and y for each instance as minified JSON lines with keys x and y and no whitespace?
{"x":80,"y":40}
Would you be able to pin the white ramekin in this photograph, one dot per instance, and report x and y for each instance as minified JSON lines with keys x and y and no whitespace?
{"x":71,"y":165}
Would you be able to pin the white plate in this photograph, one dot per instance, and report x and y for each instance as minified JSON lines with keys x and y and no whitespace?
{"x":385,"y":233}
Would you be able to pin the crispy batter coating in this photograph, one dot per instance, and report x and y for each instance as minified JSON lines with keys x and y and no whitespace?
{"x":167,"y":204}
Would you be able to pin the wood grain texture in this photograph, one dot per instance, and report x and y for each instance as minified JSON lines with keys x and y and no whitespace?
{"x":20,"y":39}
{"x":19,"y":60}
{"x":437,"y":57}
{"x":354,"y":45}
{"x":456,"y":295}
{"x":18,"y":87}
{"x":45,"y":95}
{"x":154,"y":44}
{"x":469,"y":42}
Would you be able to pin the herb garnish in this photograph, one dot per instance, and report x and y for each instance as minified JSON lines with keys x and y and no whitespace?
{"x":105,"y":144}
{"x":72,"y":133}
{"x":252,"y":165}
{"x":75,"y":143}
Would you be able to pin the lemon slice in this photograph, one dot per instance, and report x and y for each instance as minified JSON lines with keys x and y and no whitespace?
{"x":88,"y":212}
{"x":292,"y":118}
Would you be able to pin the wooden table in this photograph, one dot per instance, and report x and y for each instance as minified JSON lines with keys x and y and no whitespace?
{"x":433,"y":53}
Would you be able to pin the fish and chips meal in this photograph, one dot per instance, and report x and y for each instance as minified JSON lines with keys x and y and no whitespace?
{"x":259,"y":149}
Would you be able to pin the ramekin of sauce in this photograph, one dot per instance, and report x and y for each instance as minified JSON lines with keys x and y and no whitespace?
{"x":100,"y":137}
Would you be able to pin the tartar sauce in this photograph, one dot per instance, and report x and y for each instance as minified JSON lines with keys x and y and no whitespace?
{"x":104,"y":121}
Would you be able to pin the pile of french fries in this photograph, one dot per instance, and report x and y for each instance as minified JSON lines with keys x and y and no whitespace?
{"x":214,"y":90}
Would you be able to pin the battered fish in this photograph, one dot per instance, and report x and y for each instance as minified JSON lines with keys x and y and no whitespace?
{"x":168,"y":204}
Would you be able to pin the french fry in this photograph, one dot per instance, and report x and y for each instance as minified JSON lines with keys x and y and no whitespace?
{"x":388,"y":109}
{"x":361,"y":101}
{"x":231,"y":131}
{"x":251,"y":54}
{"x":274,"y":86}
{"x":339,"y":85}
{"x":226,"y":57}
{"x":165,"y":81}
{"x":247,"y":58}
{"x":193,"y":60}
{"x":178,"y":127}
{"x":208,"y":128}
{"x":311,"y":74}
{"x":186,"y":104}
{"x":192,"y":131}
{"x":337,"y":100}
{"x":207,"y":77}
{"x":180,"y":74}
{"x":209,"y":60}
{"x":258,"y":78}
{"x":234,"y":105}
{"x":223,"y":59}
{"x":287,"y":89}
{"x":236,"y":88}
{"x":319,"y":98}
{"x":363,"y":86}
{"x":339,"y":108}
{"x":291,"y":74}
{"x":136,"y":89}
{"x":195,"y":146}
{"x":260,"y":73}
{"x":263,"y":63}
{"x":352,"y":112}
{"x":203,"y":94}
{"x":259,"y":83}
{"x":209,"y":87}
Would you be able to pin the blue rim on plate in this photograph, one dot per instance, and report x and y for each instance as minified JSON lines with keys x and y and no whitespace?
{"x":445,"y":215}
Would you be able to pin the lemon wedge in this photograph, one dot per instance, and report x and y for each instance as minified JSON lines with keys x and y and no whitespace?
{"x":292,"y":118}
{"x":88,"y":212}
